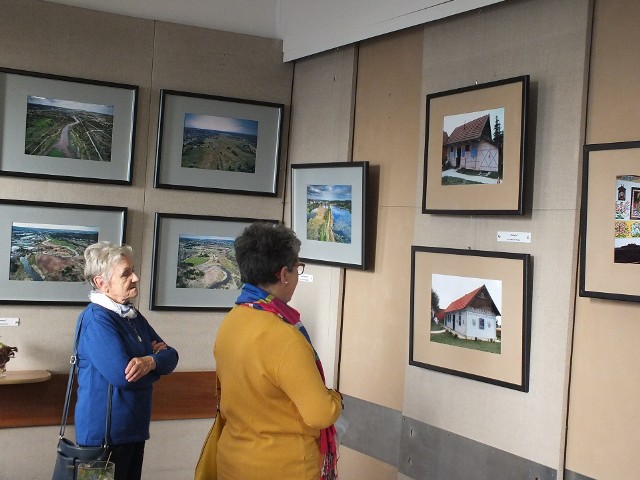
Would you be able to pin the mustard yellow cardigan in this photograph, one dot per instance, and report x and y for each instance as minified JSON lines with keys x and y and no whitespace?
{"x":272,"y":397}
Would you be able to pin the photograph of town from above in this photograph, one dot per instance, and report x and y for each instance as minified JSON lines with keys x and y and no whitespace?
{"x":55,"y":253}
{"x":329,"y":213}
{"x":68,"y":129}
{"x":207,"y":262}
{"x":472,"y":148}
{"x":219,"y":143}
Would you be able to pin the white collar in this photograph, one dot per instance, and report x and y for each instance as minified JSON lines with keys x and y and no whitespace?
{"x":124,"y":310}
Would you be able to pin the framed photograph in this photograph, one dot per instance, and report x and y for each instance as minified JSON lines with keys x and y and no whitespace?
{"x":328,"y":205}
{"x":470,"y":314}
{"x":42,"y":249}
{"x":474,"y":149}
{"x":194,"y":263}
{"x":610,"y":221}
{"x":66,"y":128}
{"x":218,"y":144}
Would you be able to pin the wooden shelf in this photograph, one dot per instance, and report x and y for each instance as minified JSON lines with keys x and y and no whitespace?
{"x":24,"y":376}
{"x":179,"y":396}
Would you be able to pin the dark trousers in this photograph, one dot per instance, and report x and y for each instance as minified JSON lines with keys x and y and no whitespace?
{"x":128,"y":459}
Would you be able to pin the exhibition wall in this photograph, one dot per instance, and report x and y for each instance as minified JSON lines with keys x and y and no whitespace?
{"x":50,"y":38}
{"x":366,"y":102}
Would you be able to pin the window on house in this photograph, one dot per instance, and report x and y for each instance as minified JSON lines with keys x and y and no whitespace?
{"x":467,"y":147}
{"x":481,"y":323}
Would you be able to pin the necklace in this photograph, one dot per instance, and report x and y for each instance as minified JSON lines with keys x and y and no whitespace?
{"x":134,"y":329}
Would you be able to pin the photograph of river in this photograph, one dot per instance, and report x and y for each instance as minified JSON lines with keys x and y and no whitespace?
{"x":68,"y":129}
{"x":219,"y":143}
{"x":43,"y":252}
{"x":207,"y":262}
{"x":329,"y":213}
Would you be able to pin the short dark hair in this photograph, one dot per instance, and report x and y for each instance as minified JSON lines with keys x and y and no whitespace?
{"x":263,"y":249}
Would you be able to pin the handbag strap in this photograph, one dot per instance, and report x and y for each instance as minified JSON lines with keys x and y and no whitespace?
{"x":67,"y":401}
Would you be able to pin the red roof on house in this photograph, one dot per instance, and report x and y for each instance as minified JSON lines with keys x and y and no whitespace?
{"x":464,"y":301}
{"x":469,"y":131}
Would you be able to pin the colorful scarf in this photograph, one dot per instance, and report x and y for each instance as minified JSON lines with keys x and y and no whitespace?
{"x":257,"y":298}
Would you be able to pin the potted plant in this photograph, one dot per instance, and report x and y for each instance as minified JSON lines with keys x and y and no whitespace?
{"x":6,"y":354}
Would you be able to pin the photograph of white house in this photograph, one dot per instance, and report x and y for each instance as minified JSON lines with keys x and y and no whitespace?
{"x":471,"y":320}
{"x":472,"y":148}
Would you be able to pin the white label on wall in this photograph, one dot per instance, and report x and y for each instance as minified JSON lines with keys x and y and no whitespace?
{"x":305,"y":277}
{"x":9,"y":322}
{"x":520,"y":237}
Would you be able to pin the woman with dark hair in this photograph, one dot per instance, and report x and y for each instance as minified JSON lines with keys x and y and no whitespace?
{"x":278,"y":413}
{"x":117,"y":346}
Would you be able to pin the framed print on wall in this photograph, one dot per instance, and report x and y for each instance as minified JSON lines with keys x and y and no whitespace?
{"x":328,"y":206}
{"x":474,"y":149}
{"x":66,"y":128}
{"x":610,"y":221}
{"x":42,"y":249}
{"x":218,"y":144}
{"x":470,"y":314}
{"x":194,"y":263}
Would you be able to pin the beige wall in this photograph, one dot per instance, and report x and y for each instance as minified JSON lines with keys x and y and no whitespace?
{"x":50,"y":38}
{"x":321,"y":131}
{"x":604,"y":425}
{"x":548,"y":41}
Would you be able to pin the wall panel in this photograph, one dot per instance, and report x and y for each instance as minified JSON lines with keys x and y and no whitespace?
{"x":604,"y":426}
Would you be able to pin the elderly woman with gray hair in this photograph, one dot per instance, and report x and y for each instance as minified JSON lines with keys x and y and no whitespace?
{"x":117,"y":346}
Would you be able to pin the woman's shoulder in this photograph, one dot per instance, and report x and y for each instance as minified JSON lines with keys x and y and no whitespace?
{"x":243,"y":316}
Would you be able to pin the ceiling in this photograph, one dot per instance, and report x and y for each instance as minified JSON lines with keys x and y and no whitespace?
{"x":252,"y":17}
{"x":305,"y":27}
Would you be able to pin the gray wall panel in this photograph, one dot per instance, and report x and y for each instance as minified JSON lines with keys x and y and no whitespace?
{"x":427,"y":452}
{"x":569,"y":475}
{"x":422,"y":451}
{"x":373,"y":429}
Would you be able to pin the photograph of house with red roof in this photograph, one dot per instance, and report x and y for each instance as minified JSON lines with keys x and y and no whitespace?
{"x":472,"y":147}
{"x":465,"y":312}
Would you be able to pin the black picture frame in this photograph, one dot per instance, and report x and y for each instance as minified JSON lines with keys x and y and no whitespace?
{"x":474,"y":163}
{"x":609,"y":226}
{"x":482,"y":328}
{"x":181,"y":283}
{"x":41,"y":249}
{"x":218,"y":144}
{"x":343,"y":186}
{"x":66,"y":128}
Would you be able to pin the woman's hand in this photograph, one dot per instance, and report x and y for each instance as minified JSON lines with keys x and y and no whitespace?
{"x":158,"y":346}
{"x":138,"y":367}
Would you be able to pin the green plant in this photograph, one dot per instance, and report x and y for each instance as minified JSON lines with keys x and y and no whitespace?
{"x":6,"y":354}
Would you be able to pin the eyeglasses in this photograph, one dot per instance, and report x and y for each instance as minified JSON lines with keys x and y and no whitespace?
{"x":300,"y":268}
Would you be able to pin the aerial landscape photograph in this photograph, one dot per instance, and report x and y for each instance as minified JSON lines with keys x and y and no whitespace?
{"x":207,"y":262}
{"x":68,"y":129}
{"x":52,"y":253}
{"x":329,"y":213}
{"x":219,"y":143}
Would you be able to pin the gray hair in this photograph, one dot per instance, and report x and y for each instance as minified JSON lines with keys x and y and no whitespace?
{"x":100,"y":259}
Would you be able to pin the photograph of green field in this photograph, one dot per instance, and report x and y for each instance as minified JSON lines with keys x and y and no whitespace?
{"x":54,"y":253}
{"x":68,"y":129}
{"x":207,"y":262}
{"x":329,"y":213}
{"x":219,"y":143}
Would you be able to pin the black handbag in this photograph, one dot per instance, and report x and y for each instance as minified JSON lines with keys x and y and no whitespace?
{"x":69,"y":455}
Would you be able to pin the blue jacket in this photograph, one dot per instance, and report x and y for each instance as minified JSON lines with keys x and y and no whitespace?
{"x":107,"y":343}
